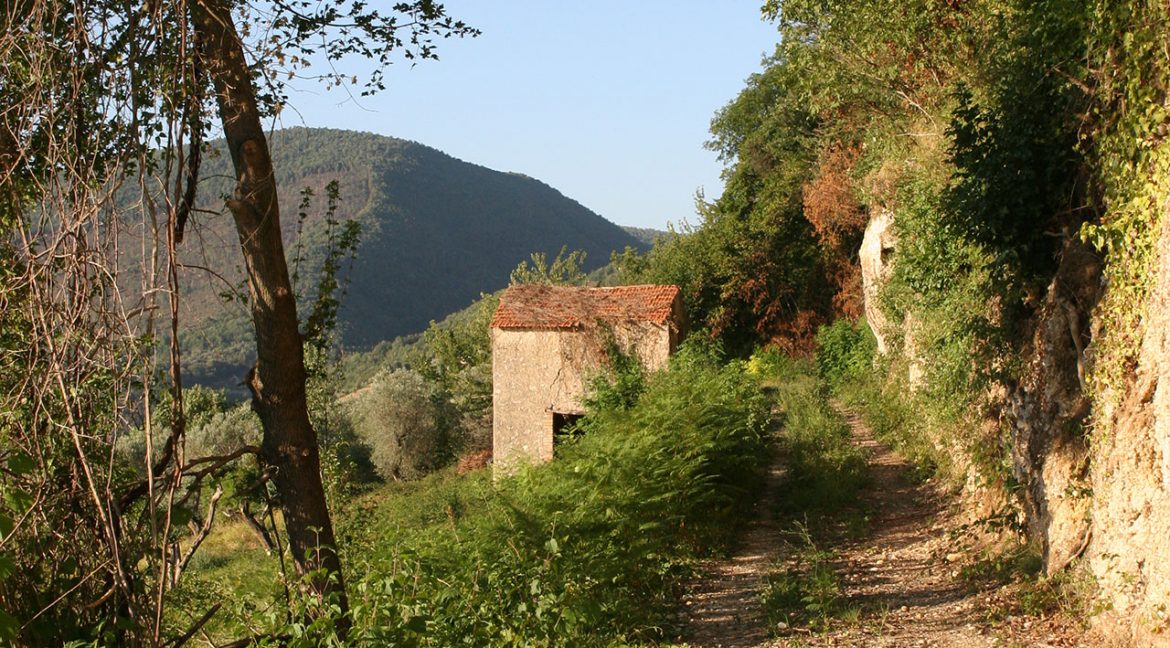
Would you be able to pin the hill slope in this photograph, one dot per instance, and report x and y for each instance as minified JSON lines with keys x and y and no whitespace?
{"x":436,"y":232}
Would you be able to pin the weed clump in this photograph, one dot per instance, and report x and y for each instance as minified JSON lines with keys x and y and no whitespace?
{"x":807,"y":592}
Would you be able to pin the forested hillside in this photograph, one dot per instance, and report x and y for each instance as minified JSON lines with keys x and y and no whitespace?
{"x":435,"y":232}
{"x":645,"y":234}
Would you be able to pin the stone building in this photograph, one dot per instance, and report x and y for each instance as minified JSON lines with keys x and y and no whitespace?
{"x":546,"y":343}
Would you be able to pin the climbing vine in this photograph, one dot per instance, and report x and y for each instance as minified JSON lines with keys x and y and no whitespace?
{"x":1130,"y":70}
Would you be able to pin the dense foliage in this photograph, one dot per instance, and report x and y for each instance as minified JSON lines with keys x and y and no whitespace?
{"x":999,"y":135}
{"x":1131,"y":81}
{"x":587,"y":550}
{"x":965,"y":120}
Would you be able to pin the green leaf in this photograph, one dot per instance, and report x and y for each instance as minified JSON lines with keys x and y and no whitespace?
{"x":9,"y":626}
{"x":180,"y":516}
{"x":17,"y":500}
{"x":417,"y":624}
{"x":21,"y":463}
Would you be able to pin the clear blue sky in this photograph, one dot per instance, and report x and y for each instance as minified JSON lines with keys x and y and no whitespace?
{"x":609,"y":101}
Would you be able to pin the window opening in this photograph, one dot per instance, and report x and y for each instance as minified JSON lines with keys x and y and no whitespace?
{"x":566,"y":427}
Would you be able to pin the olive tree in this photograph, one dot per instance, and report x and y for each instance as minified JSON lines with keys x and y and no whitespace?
{"x":408,"y":423}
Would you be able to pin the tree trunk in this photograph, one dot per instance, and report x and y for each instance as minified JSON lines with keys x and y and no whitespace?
{"x":278,"y":380}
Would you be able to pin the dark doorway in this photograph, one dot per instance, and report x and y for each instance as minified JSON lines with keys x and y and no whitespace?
{"x":565,"y":428}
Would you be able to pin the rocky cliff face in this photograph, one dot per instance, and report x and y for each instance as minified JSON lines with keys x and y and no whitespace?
{"x":1130,"y":550}
{"x":1047,"y":411}
{"x":1093,"y":463}
{"x":876,"y":257}
{"x":877,"y":247}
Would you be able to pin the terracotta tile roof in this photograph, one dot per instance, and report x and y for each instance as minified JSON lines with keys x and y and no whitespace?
{"x":547,"y":308}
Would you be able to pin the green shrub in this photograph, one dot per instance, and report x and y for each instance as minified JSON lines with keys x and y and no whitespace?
{"x":224,"y":432}
{"x":620,"y":387}
{"x":771,"y":365}
{"x":844,"y":350}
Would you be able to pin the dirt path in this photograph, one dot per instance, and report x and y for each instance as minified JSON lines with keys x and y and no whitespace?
{"x":899,"y":578}
{"x":897,"y":574}
{"x":724,"y":605}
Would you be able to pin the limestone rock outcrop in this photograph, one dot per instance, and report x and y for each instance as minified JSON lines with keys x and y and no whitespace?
{"x":1048,"y":411}
{"x":877,"y":247}
{"x":1130,"y":550}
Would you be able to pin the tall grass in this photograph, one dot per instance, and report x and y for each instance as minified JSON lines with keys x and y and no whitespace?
{"x":907,"y":422}
{"x":824,"y":469}
{"x":914,"y":422}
